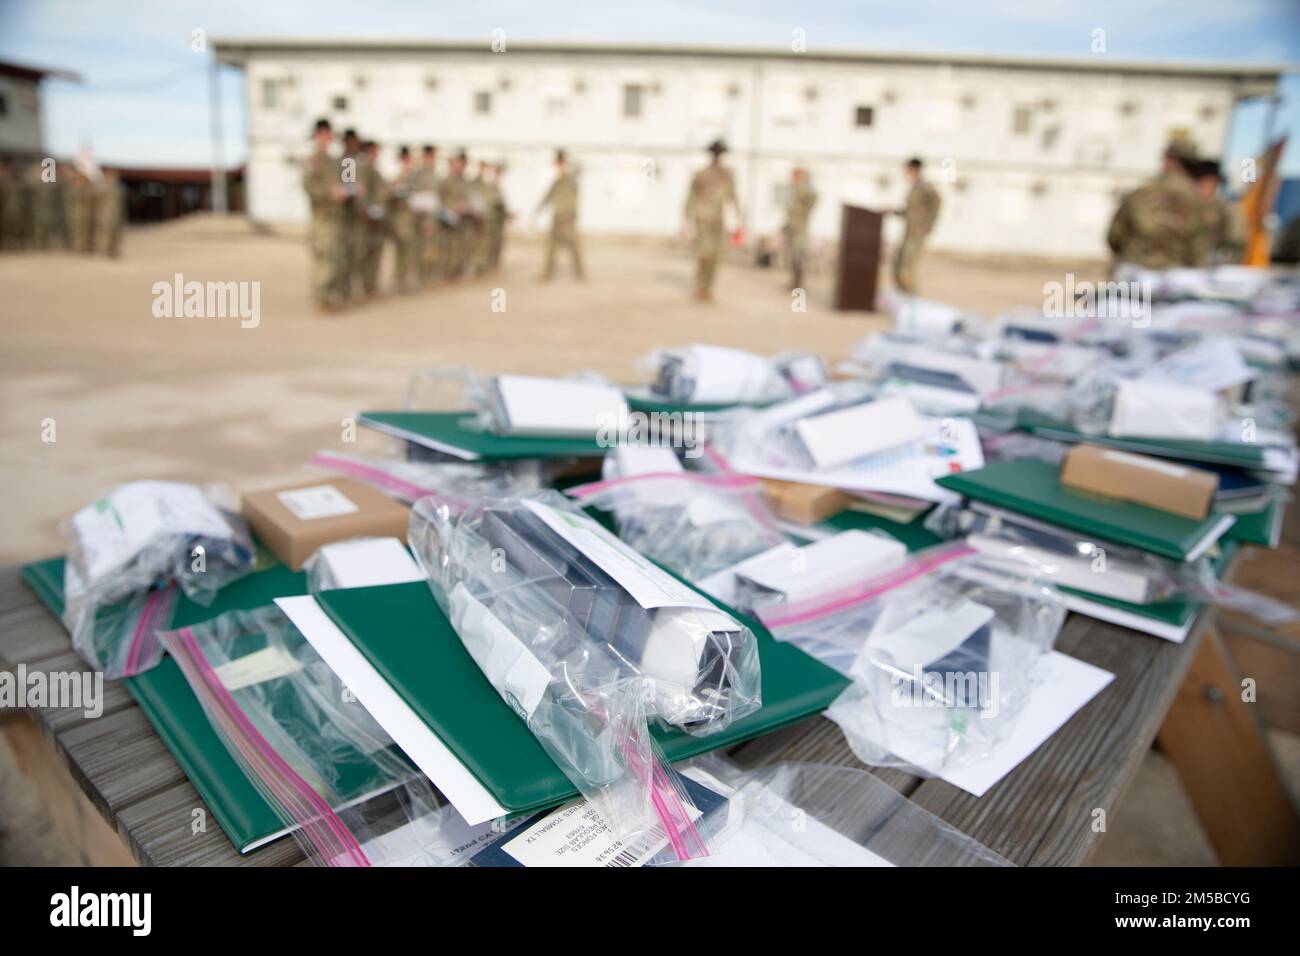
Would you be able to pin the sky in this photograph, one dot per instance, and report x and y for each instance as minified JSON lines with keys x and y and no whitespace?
{"x":144,"y":95}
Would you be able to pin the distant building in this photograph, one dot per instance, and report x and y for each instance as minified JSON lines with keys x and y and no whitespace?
{"x":1030,"y":155}
{"x":157,"y":193}
{"x":21,"y":135}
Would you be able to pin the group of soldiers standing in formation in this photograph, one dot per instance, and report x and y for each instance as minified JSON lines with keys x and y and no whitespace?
{"x":1179,"y":218}
{"x":443,"y":228}
{"x":53,"y":205}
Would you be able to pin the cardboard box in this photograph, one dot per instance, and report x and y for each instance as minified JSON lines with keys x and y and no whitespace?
{"x":801,"y":503}
{"x":1155,"y":482}
{"x":294,"y":521}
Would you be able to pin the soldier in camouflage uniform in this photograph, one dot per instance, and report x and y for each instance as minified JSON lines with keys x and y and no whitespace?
{"x":350,"y":175}
{"x":476,"y":220}
{"x":323,"y":183}
{"x":110,"y":214}
{"x":81,"y":212}
{"x":453,"y":198}
{"x":712,"y":190}
{"x":425,"y":188}
{"x":372,"y":226}
{"x":1162,"y":224}
{"x":1224,"y":237}
{"x":920,"y":212}
{"x":401,"y":222}
{"x":562,"y":197}
{"x":798,"y":209}
{"x":47,"y":207}
{"x":497,"y":214}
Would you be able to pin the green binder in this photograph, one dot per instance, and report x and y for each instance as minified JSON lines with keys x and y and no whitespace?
{"x":1262,"y":527}
{"x":457,"y":434}
{"x":176,"y":714}
{"x":1032,"y":488}
{"x":404,"y":635}
{"x":914,"y":534}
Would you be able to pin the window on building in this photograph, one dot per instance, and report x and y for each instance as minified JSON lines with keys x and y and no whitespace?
{"x":270,"y":94}
{"x":1022,"y":119}
{"x":431,"y":83}
{"x":341,"y":103}
{"x":810,"y":94}
{"x":1050,"y":137}
{"x":360,"y":81}
{"x":864,"y":116}
{"x":633,"y":93}
{"x":483,"y":101}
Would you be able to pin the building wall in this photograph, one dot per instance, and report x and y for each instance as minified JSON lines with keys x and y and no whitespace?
{"x":1027,"y":160}
{"x":20,"y":120}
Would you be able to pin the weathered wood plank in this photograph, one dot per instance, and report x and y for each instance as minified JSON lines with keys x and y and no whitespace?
{"x":159,"y":829}
{"x":28,"y":631}
{"x":813,"y":740}
{"x":68,"y":664}
{"x":119,"y":759}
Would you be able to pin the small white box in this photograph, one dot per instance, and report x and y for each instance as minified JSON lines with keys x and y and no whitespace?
{"x":791,"y":574}
{"x":558,"y":408}
{"x":1154,"y":409}
{"x":839,"y":437}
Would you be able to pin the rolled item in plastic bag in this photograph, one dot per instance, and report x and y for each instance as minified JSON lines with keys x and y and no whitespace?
{"x":693,"y":524}
{"x":587,"y":640}
{"x":714,"y":375}
{"x":126,"y":549}
{"x":941,"y":653}
{"x":317,"y":757}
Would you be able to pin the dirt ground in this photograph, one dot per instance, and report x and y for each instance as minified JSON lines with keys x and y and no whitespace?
{"x":203,"y":399}
{"x":133,"y":396}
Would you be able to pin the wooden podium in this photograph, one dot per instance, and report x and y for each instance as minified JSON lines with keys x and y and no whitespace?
{"x":858,"y":265}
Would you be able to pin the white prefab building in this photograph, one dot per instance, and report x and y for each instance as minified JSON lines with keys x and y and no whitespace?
{"x":1030,"y":155}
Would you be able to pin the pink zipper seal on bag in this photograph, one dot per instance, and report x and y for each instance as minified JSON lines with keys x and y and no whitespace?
{"x":823,"y":605}
{"x":155,"y":615}
{"x":287,"y":780}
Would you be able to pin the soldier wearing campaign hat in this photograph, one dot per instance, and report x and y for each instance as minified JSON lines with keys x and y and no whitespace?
{"x":712,"y":190}
{"x":323,"y":183}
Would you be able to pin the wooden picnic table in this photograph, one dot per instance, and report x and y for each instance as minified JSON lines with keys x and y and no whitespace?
{"x":1045,"y":812}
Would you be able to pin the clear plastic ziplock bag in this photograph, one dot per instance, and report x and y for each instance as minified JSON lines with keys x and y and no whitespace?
{"x":126,"y":549}
{"x":693,"y":524}
{"x":943,"y":654}
{"x":1070,"y":560}
{"x":804,"y":814}
{"x":409,"y":481}
{"x":588,"y":641}
{"x":329,"y":771}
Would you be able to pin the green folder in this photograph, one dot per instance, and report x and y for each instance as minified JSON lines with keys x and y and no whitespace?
{"x":164,"y":695}
{"x":1262,"y":527}
{"x":644,"y":400}
{"x":457,"y":434}
{"x":914,"y":534}
{"x":1032,"y":488}
{"x":404,"y":635}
